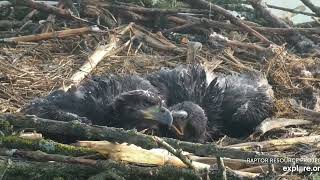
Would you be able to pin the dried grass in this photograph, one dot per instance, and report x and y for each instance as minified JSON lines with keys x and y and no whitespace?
{"x":40,"y":70}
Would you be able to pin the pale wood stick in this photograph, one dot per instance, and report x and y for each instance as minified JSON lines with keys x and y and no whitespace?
{"x":276,"y":144}
{"x":100,"y":53}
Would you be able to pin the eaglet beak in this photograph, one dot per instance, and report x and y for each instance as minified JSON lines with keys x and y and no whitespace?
{"x":181,"y":114}
{"x":158,"y":114}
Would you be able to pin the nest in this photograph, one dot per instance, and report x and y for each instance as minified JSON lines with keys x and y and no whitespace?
{"x":30,"y":70}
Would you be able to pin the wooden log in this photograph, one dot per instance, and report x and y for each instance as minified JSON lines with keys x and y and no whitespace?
{"x":48,"y":146}
{"x":13,"y":168}
{"x":126,"y":170}
{"x":136,"y":155}
{"x":91,"y":147}
{"x":87,"y":132}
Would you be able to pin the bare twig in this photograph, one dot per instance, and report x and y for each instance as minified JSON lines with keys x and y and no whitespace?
{"x":222,"y":168}
{"x":177,"y":153}
{"x":181,"y":28}
{"x":311,"y":6}
{"x":232,"y":18}
{"x":291,"y":10}
{"x":301,"y":43}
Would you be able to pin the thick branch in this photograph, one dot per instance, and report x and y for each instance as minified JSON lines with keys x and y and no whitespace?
{"x":42,"y":7}
{"x":48,"y":146}
{"x":45,"y":36}
{"x":123,"y":169}
{"x":87,"y":132}
{"x":154,"y":10}
{"x":266,"y":30}
{"x":20,"y":169}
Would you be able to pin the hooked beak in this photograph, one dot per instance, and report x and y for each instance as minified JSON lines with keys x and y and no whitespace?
{"x":178,"y":130}
{"x":158,"y":114}
{"x":177,"y":127}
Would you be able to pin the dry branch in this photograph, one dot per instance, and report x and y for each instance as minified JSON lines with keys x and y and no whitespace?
{"x":10,"y":23}
{"x":100,"y":53}
{"x":177,"y":153}
{"x":51,"y":19}
{"x":154,"y":40}
{"x":277,"y":144}
{"x":86,"y":132}
{"x":222,"y":168}
{"x":256,"y":169}
{"x":154,"y":10}
{"x":57,"y":34}
{"x":311,"y":6}
{"x":232,"y":18}
{"x":46,"y":68}
{"x":291,"y":10}
{"x":276,"y":123}
{"x":223,"y":41}
{"x":43,"y":7}
{"x":193,"y":50}
{"x":301,"y":42}
{"x":15,"y":168}
{"x":48,"y":146}
{"x":136,"y":155}
{"x":227,"y":26}
{"x":98,"y":165}
{"x":181,"y":28}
